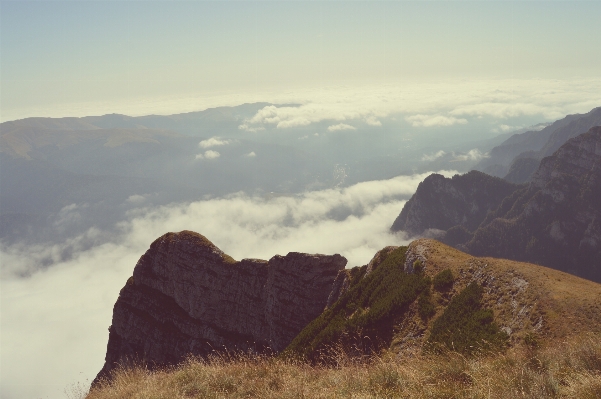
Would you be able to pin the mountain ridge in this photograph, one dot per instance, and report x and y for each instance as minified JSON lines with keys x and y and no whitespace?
{"x":535,"y":145}
{"x":182,"y":300}
{"x":187,"y":297}
{"x":554,"y":220}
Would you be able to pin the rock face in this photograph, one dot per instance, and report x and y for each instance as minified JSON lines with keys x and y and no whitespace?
{"x":440,"y":203}
{"x":187,"y":297}
{"x":555,"y":220}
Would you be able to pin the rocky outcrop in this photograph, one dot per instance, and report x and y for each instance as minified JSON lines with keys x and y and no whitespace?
{"x":187,"y":297}
{"x":440,"y":203}
{"x":554,"y":221}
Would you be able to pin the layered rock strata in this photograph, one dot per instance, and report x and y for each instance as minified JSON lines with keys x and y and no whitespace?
{"x":187,"y":297}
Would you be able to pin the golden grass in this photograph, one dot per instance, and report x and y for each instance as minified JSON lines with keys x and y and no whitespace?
{"x":571,"y":369}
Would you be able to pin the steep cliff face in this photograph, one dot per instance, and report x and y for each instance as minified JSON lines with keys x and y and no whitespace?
{"x":556,"y":220}
{"x":440,"y":203}
{"x":187,"y":297}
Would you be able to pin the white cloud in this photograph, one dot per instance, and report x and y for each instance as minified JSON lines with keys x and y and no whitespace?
{"x":507,"y":110}
{"x":444,"y":103}
{"x":434,"y":120}
{"x":210,"y":154}
{"x":213,"y":142}
{"x":434,"y":156}
{"x":251,"y":154}
{"x":248,"y":128}
{"x":54,"y":323}
{"x":508,"y":128}
{"x":136,"y":199}
{"x":373,"y":121}
{"x":472,"y":155}
{"x":340,"y":126}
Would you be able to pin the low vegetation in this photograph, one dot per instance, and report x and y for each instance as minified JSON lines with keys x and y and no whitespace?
{"x":443,"y":280}
{"x":364,"y":317}
{"x":571,"y":369}
{"x":465,"y":326}
{"x":425,"y":307}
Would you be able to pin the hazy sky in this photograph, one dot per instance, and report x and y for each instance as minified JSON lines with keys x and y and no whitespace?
{"x":71,"y":58}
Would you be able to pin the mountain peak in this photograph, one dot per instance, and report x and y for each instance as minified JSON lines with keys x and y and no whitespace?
{"x":188,"y":297}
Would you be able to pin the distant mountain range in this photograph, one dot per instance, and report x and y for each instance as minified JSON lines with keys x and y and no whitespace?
{"x":100,"y":162}
{"x":210,"y":121}
{"x":555,"y":220}
{"x":104,"y":166}
{"x":517,"y":158}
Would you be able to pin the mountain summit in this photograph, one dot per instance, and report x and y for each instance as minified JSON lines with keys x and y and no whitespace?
{"x":187,"y":297}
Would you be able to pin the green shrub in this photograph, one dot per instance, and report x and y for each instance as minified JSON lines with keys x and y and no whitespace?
{"x":465,"y":326}
{"x":425,"y":307}
{"x":418,"y":267}
{"x":364,"y":316}
{"x":443,"y":280}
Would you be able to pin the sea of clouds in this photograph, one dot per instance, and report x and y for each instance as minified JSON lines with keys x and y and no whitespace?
{"x":55,"y":312}
{"x":423,"y":103}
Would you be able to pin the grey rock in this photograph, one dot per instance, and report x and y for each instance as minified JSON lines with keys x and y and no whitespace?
{"x":187,"y":297}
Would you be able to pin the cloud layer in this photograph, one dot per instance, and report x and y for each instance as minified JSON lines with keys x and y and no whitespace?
{"x":433,"y":157}
{"x":209,"y":154}
{"x":340,"y":126}
{"x":548,"y":98}
{"x":472,"y":155}
{"x":427,"y":104}
{"x":54,"y":323}
{"x":213,"y":142}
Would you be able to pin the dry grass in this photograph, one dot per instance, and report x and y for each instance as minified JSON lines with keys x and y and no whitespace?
{"x":567,"y":370}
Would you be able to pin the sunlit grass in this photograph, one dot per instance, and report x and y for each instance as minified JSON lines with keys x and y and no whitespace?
{"x":571,"y":369}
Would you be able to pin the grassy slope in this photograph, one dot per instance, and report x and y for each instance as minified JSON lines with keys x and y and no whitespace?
{"x":569,"y":370}
{"x":524,"y":297}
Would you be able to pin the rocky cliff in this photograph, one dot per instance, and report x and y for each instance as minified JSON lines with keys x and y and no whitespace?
{"x":187,"y":297}
{"x":554,"y":221}
{"x":463,"y":200}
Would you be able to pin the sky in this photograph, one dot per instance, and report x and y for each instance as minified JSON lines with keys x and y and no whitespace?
{"x":76,"y":58}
